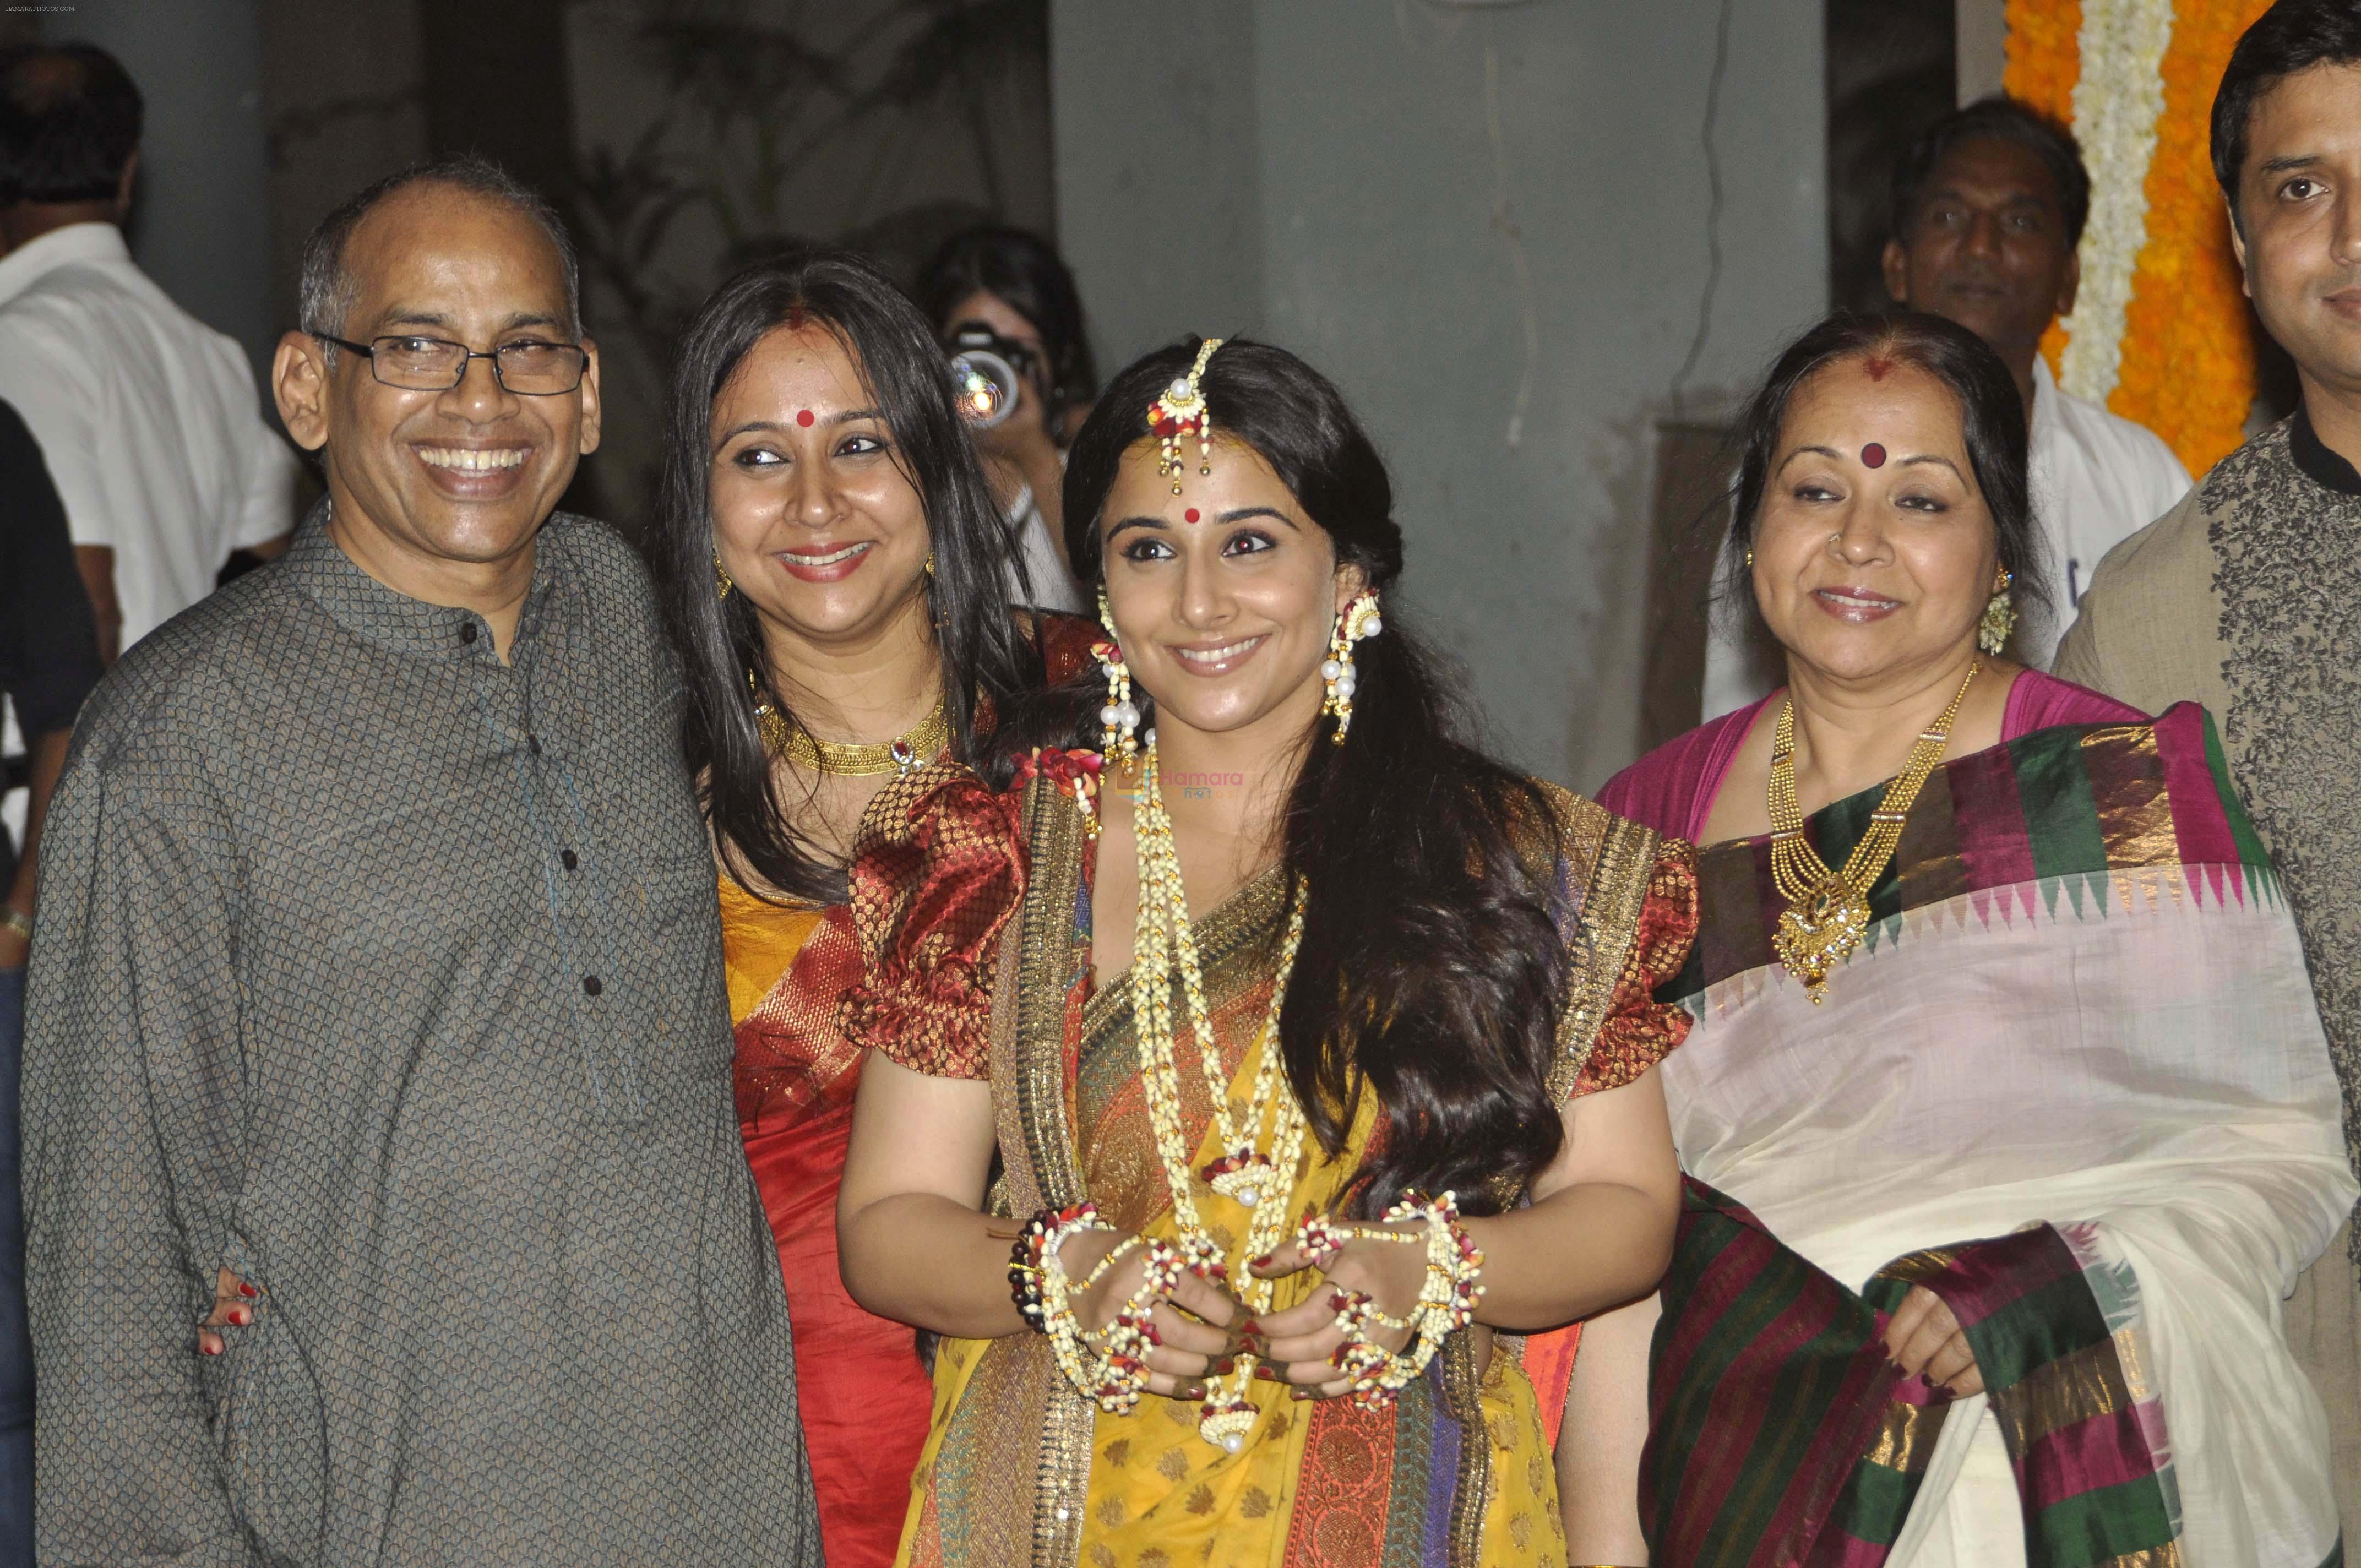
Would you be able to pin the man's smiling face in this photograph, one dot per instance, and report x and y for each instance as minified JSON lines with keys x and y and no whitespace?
{"x":468,"y":474}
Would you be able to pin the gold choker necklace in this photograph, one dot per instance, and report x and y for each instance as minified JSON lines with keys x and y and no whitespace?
{"x":911,"y":749}
{"x":1828,"y":912}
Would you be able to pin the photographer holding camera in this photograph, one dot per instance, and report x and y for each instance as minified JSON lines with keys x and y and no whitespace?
{"x":1008,"y":314}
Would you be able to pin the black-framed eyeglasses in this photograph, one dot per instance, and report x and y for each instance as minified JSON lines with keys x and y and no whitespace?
{"x":528,"y":367}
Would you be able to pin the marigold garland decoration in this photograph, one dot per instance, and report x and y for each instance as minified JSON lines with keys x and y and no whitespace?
{"x":2184,"y":363}
{"x":2189,"y":369}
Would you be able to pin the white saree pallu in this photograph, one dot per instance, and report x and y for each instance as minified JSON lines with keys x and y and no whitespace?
{"x":2074,"y":1082}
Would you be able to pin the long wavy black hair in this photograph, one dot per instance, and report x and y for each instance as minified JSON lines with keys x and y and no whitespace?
{"x":986,"y":657}
{"x":1992,"y":420}
{"x":1430,"y":972}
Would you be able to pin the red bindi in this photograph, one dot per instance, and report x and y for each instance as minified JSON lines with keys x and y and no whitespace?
{"x":804,"y":418}
{"x":1878,"y":366}
{"x":1191,"y":515}
{"x":1873,"y":455}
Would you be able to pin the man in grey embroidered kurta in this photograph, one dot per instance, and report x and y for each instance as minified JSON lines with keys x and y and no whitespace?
{"x":378,"y":965}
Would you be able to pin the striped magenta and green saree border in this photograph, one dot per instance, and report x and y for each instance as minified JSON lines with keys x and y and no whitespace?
{"x":2066,"y":811}
{"x":1779,"y":1431}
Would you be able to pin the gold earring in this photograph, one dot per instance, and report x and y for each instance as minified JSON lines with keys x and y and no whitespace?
{"x":2000,"y":617}
{"x":722,"y":582}
{"x":1359,"y":619}
{"x":1750,"y":560}
{"x":1120,"y":718}
{"x":931,"y":563}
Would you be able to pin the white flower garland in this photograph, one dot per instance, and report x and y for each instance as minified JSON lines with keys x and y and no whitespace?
{"x":2117,"y":100}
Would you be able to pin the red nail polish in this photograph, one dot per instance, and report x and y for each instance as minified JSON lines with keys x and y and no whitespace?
{"x":1262,"y":1262}
{"x":248,"y":1291}
{"x":1224,"y":1366}
{"x":210,"y":1347}
{"x":1251,"y":1326}
{"x":1148,"y":1332}
{"x":240,"y":1316}
{"x":1265,"y":1374}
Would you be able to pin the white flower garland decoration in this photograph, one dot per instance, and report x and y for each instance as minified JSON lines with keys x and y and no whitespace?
{"x":2117,"y":102}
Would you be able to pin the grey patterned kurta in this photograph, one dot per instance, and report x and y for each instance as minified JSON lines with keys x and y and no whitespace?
{"x":390,"y":976}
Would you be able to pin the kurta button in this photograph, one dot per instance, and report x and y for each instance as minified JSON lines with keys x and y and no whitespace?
{"x":567,"y":856}
{"x":533,"y":744}
{"x":590,"y":986}
{"x":467,"y":632}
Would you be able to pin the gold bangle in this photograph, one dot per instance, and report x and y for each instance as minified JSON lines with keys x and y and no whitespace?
{"x":16,"y":920}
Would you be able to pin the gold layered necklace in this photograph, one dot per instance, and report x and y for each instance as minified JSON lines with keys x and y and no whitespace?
{"x":1262,"y":1153}
{"x":913,"y":748}
{"x":1828,"y":912}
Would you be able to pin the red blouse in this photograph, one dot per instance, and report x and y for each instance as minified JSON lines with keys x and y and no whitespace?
{"x":931,"y":898}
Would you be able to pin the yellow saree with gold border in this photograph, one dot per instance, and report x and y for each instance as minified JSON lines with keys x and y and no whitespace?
{"x":1019,"y":1467}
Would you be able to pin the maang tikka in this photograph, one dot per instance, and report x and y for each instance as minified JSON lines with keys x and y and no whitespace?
{"x":1358,"y":619}
{"x":1181,"y":412}
{"x":1120,"y":717}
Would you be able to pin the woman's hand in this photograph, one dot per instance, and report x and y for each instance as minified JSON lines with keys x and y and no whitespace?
{"x":1299,"y":1344}
{"x":1187,"y":1348}
{"x":1926,"y":1341}
{"x":234,"y":1302}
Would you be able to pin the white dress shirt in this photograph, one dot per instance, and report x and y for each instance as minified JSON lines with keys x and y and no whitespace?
{"x":2097,"y":478}
{"x":1053,"y":586}
{"x":146,"y":418}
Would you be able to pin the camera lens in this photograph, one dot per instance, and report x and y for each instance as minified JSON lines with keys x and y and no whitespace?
{"x":984,"y":387}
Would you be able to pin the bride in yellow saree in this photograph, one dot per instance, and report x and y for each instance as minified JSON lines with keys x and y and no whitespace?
{"x":1446,"y":969}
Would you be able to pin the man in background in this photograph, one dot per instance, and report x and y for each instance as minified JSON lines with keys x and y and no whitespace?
{"x":2246,"y":596}
{"x":147,"y":417}
{"x":48,"y":661}
{"x":1988,"y":210}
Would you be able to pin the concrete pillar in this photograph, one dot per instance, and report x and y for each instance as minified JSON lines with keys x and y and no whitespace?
{"x":1982,"y":28}
{"x":201,"y":219}
{"x":1157,"y":153}
{"x":1492,"y":229}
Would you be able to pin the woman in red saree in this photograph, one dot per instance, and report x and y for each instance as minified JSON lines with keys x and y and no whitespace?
{"x":832,"y":568}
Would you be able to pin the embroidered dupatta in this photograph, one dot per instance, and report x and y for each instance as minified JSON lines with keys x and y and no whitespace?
{"x":2079,"y":1030}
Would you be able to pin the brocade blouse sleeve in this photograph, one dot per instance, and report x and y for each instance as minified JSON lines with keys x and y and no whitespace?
{"x":936,"y":875}
{"x":1639,"y":1031}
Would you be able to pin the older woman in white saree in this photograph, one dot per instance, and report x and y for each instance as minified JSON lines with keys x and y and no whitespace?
{"x":2006,"y":1114}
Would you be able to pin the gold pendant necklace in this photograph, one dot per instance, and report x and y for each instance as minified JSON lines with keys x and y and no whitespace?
{"x":1164,"y":941}
{"x":1828,"y":912}
{"x":913,"y":749}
